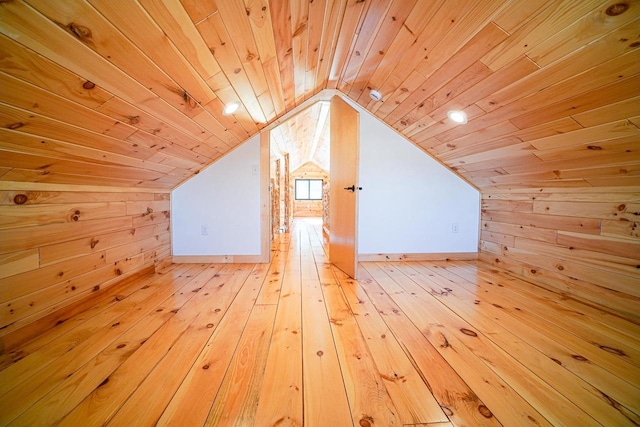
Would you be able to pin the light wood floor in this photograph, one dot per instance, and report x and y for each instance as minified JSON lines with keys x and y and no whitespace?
{"x":295,"y":342}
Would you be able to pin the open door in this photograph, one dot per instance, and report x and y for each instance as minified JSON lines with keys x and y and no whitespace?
{"x":343,"y":195}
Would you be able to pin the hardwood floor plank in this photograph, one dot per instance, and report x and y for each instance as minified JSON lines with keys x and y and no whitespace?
{"x":270,"y":292}
{"x":149,"y":401}
{"x":554,"y":406}
{"x":296,"y":342}
{"x":237,"y":398}
{"x":105,"y":400}
{"x":10,"y":358}
{"x":576,"y":335}
{"x":612,"y":322}
{"x":192,"y":401}
{"x":95,"y":349}
{"x":368,"y":397}
{"x":321,"y":369}
{"x":519,"y":344}
{"x":501,"y":399}
{"x":461,"y":405}
{"x":408,"y":391}
{"x":281,"y":398}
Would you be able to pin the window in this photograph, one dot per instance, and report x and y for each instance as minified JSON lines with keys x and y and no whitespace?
{"x":308,"y":189}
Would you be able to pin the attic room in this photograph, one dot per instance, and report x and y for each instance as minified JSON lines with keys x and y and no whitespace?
{"x":473,"y":259}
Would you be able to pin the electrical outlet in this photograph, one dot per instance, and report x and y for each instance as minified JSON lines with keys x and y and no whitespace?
{"x":204,"y":230}
{"x":454,"y":227}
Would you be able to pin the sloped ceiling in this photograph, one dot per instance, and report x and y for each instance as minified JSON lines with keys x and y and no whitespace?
{"x":130,"y":93}
{"x":305,"y":137}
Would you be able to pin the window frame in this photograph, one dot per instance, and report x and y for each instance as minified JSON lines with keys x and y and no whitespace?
{"x":308,"y":180}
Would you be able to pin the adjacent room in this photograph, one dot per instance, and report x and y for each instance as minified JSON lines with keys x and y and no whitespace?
{"x":361,"y":213}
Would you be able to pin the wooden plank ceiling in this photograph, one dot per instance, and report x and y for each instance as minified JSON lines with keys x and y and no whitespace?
{"x":130,"y":93}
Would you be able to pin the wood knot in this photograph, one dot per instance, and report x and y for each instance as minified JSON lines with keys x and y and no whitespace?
{"x":594,"y":147}
{"x":209,"y":325}
{"x":468,"y":332}
{"x":622,"y":207}
{"x":484,"y":411}
{"x":80,"y":31}
{"x":88,"y":85}
{"x":20,"y":199}
{"x":133,"y":120}
{"x":617,"y":9}
{"x":96,"y":288}
{"x":579,"y":358}
{"x":612,"y":350}
{"x":366,"y":421}
{"x":319,"y":353}
{"x":205,"y":367}
{"x":16,"y":125}
{"x":121,"y":346}
{"x":93,"y":243}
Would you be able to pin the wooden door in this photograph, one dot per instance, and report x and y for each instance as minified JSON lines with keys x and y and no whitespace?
{"x":343,"y":202}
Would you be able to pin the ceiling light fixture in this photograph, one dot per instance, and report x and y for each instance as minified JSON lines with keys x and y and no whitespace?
{"x":457,"y":116}
{"x":375,"y":95}
{"x":231,"y":108}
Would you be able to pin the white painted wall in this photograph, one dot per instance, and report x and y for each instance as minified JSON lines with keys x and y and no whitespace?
{"x":225,"y":197}
{"x":410,"y":202}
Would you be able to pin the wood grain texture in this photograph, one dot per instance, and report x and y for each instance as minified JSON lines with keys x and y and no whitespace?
{"x":585,"y":240}
{"x":59,"y":247}
{"x":430,"y":343}
{"x":168,"y":68}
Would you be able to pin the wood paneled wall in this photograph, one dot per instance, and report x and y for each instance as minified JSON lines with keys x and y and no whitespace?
{"x":60,"y":247}
{"x":583,"y":242}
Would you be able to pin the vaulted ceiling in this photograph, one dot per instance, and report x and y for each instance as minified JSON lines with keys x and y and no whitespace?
{"x":130,"y":93}
{"x":305,"y":137}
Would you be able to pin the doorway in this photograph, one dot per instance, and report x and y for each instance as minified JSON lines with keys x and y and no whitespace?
{"x":310,"y":151}
{"x":300,"y":167}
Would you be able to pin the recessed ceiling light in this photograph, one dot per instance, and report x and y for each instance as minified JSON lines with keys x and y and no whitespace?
{"x":457,"y":116}
{"x":231,"y":108}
